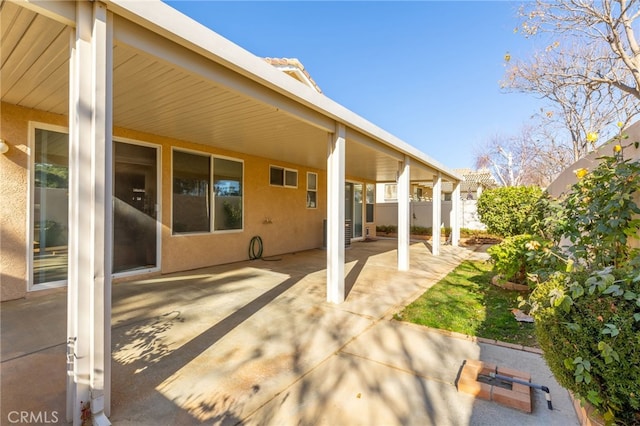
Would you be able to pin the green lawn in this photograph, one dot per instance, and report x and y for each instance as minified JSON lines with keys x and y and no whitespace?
{"x":466,"y":302}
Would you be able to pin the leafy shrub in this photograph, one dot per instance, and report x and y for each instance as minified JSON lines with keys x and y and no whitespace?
{"x":601,"y":214}
{"x":386,"y":229}
{"x":588,"y":317}
{"x":591,"y":339}
{"x":506,"y":210}
{"x":415,"y":230}
{"x":516,"y":259}
{"x":420,"y":230}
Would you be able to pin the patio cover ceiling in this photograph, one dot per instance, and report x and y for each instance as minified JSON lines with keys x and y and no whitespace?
{"x":168,"y":85}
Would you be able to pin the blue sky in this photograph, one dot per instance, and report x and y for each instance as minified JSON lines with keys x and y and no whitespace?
{"x":425,"y":71}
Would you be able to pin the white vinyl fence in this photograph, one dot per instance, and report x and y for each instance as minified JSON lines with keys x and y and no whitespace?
{"x":422,"y":214}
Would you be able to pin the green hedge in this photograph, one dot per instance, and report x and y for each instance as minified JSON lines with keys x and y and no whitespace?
{"x":587,"y":314}
{"x":507,"y":211}
{"x":592,"y":343}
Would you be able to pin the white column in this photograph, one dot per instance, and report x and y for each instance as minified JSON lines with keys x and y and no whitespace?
{"x":90,"y":214}
{"x":404,"y":219}
{"x":437,"y":214}
{"x":336,"y":215}
{"x":455,"y":215}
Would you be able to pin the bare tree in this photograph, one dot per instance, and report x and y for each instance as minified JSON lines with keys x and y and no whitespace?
{"x":529,"y":158}
{"x":607,"y":26}
{"x":577,"y":107}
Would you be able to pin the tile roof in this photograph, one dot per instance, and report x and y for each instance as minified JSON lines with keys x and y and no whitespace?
{"x":295,"y":69}
{"x":475,"y":177}
{"x":471,"y":180}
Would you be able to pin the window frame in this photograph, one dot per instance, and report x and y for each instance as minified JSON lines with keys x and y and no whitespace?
{"x":31,"y":189}
{"x":284,"y":170}
{"x":213,"y":175}
{"x":313,"y":190}
{"x":211,"y":193}
{"x":367,"y":187}
{"x":391,"y":192}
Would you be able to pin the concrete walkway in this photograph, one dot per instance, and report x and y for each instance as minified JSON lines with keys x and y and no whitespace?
{"x":255,"y":343}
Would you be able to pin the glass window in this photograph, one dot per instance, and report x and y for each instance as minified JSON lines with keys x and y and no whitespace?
{"x":279,"y":176}
{"x":390,"y":191}
{"x":371,"y":199}
{"x":50,"y":206}
{"x":312,"y":190}
{"x":291,"y":178}
{"x":276,"y":176}
{"x":191,"y":194}
{"x":227,"y":183}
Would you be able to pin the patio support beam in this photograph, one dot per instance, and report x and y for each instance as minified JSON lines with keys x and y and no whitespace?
{"x":455,"y":214}
{"x":90,"y":214}
{"x":437,"y":214}
{"x":336,"y":214}
{"x":404,"y":219}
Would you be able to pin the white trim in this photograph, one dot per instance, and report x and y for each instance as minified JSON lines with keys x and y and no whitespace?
{"x":312,"y":190}
{"x":31,"y":140}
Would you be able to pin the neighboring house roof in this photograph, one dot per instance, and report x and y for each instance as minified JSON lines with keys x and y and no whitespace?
{"x":294,"y":68}
{"x":472,"y":179}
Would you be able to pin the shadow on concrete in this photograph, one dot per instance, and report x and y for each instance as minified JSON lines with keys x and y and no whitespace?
{"x":256,"y":343}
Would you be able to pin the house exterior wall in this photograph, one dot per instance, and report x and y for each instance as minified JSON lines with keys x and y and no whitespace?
{"x":277,"y":214}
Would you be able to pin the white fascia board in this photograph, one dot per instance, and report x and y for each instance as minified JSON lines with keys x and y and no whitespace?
{"x":179,"y":28}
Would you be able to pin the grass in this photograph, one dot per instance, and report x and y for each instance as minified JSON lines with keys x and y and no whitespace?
{"x":466,"y":302}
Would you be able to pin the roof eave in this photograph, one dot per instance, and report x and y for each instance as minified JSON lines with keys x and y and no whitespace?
{"x":179,"y":28}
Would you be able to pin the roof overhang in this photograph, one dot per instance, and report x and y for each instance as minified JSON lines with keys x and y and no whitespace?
{"x":175,"y":78}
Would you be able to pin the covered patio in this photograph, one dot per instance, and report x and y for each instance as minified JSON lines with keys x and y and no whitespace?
{"x":141,"y":75}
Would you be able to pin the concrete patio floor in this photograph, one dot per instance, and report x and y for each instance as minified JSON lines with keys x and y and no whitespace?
{"x":256,"y":343}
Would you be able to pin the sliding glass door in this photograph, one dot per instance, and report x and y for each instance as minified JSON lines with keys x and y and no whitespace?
{"x":135,"y":208}
{"x":353,"y":207}
{"x":135,"y":213}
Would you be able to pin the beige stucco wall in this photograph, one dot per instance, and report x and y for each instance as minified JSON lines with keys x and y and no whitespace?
{"x":277,"y":214}
{"x":292,"y":226}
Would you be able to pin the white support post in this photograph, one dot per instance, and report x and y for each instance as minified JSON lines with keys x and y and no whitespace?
{"x":455,"y":215}
{"x":437,"y":214}
{"x":336,"y":215}
{"x":404,"y":217}
{"x":90,"y":215}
